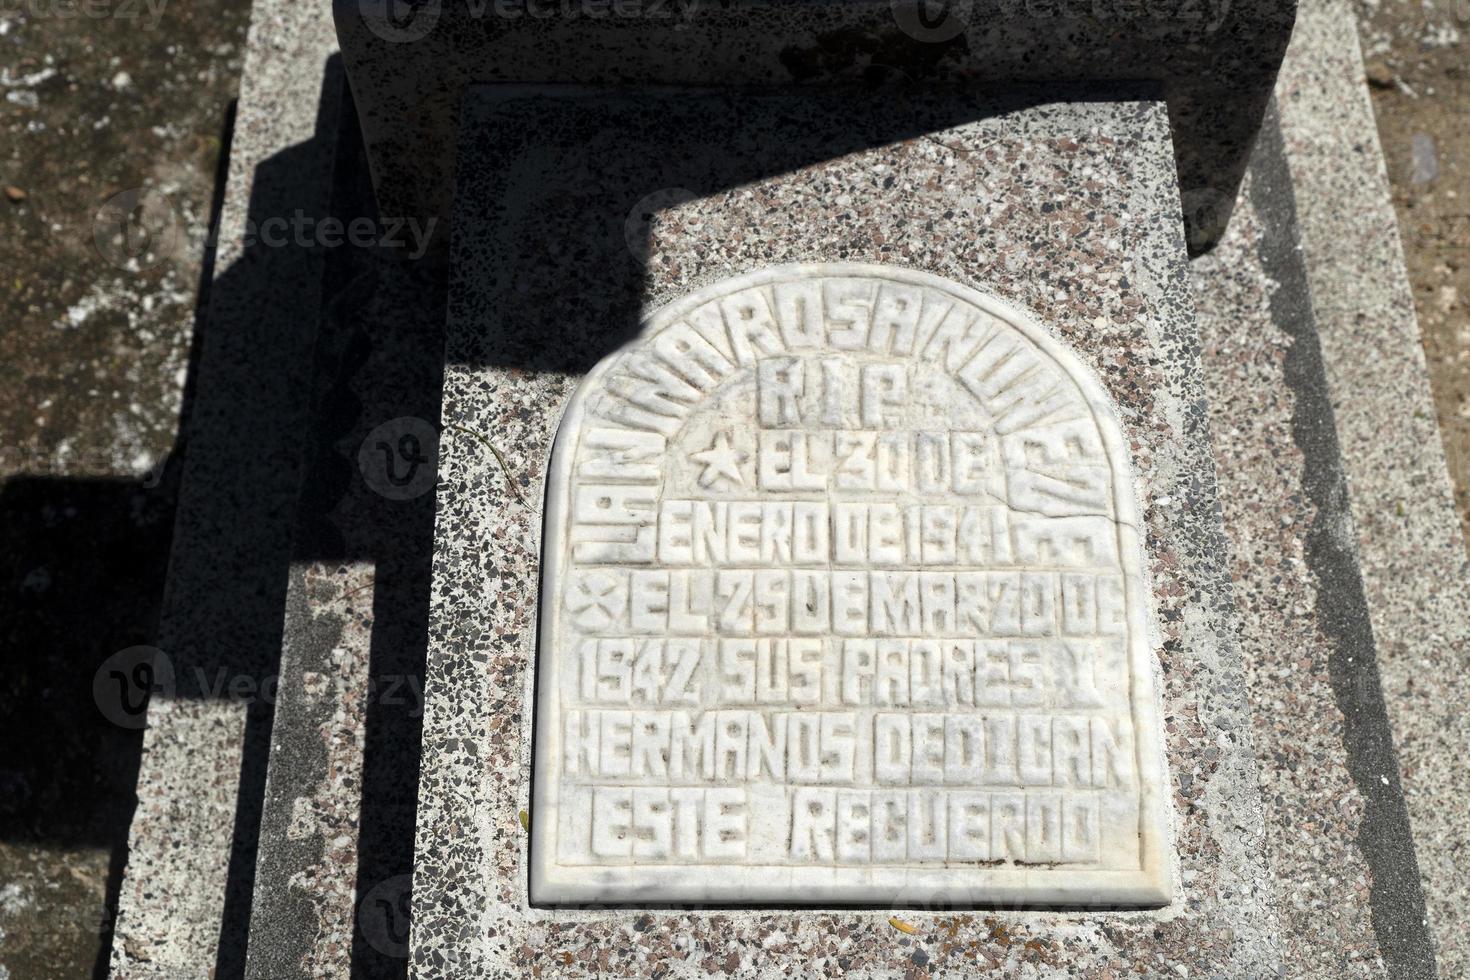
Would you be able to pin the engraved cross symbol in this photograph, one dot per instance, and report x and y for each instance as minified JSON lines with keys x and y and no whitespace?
{"x":934,"y":403}
{"x":597,"y":599}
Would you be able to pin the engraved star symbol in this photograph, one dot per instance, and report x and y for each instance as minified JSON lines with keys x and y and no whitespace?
{"x":721,"y":462}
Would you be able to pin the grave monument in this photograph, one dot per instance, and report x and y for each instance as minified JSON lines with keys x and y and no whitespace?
{"x":828,"y":572}
{"x":848,"y":495}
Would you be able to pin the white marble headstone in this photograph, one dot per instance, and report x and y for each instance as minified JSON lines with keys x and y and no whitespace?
{"x":843,"y":603}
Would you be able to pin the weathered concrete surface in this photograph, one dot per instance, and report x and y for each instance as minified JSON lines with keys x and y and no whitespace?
{"x":1409,"y":545}
{"x":1415,"y":56}
{"x":1328,"y":771}
{"x":336,"y":842}
{"x":305,"y":887}
{"x":96,"y":337}
{"x":223,"y":609}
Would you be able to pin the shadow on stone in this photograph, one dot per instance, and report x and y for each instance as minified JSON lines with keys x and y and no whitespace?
{"x":255,"y":483}
{"x":588,"y":163}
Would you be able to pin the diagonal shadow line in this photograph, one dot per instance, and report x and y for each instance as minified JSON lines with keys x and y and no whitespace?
{"x":1385,"y":837}
{"x":253,"y":402}
{"x":103,"y":545}
{"x":707,"y":141}
{"x":265,"y":497}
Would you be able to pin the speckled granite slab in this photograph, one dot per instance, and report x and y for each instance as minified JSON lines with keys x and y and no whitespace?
{"x":577,"y":213}
{"x":410,"y":65}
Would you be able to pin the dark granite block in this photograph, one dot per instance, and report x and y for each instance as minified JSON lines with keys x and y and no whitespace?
{"x":410,"y":65}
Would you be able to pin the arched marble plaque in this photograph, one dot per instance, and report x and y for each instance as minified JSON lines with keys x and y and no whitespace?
{"x":842,"y":602}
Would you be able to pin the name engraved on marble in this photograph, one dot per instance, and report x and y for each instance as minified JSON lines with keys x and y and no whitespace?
{"x":840,"y":583}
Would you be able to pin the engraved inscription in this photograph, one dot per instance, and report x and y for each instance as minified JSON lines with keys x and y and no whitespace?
{"x":843,"y":589}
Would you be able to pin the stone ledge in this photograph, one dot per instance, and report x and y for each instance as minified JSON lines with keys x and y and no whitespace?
{"x":545,"y":283}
